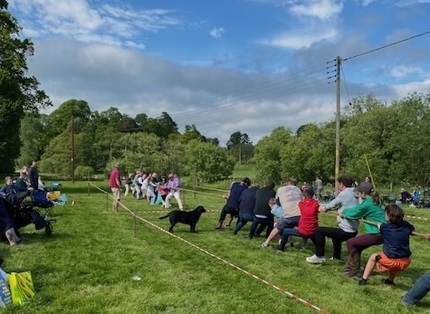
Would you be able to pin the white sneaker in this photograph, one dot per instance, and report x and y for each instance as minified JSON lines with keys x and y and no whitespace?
{"x":315,"y":259}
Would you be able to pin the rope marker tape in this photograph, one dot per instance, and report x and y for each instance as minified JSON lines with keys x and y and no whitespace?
{"x":282,"y":291}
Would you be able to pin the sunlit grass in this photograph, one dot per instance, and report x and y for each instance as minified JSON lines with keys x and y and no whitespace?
{"x":88,"y":265}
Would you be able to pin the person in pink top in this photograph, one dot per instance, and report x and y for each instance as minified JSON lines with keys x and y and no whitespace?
{"x":115,"y":186}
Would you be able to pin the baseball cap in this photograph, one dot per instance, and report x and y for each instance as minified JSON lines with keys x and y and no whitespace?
{"x":365,"y":187}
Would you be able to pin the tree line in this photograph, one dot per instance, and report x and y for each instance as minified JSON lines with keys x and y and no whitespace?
{"x":96,"y":139}
{"x":394,"y":137}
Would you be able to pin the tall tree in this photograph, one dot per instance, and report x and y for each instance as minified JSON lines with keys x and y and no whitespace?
{"x":240,"y":146}
{"x":267,"y":157}
{"x":207,"y":162}
{"x":61,"y":117}
{"x":18,"y":92}
{"x":33,"y":134}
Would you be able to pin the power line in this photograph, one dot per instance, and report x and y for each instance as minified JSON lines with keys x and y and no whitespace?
{"x":386,"y":46}
{"x":274,"y":88}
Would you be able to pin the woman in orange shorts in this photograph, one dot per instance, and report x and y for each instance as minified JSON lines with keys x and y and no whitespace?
{"x":395,"y":255}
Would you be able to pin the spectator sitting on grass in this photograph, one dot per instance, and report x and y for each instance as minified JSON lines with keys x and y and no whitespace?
{"x":8,"y":187}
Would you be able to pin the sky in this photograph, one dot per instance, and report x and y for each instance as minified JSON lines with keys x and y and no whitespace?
{"x":226,"y":65}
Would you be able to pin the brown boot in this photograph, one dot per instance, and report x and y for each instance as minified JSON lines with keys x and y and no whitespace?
{"x":354,"y":265}
{"x":347,"y":267}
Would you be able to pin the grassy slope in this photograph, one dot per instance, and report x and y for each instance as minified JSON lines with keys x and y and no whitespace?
{"x":88,"y":265}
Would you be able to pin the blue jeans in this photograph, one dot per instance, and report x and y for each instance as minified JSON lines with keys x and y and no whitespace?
{"x":418,"y":290}
{"x":243,"y":219}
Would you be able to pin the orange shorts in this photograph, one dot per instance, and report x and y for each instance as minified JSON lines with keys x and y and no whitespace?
{"x":393,"y":265}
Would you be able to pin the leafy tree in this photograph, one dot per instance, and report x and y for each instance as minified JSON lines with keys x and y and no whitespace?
{"x":410,"y":140}
{"x":240,"y":146}
{"x":140,"y":151}
{"x":141,"y":119}
{"x":267,"y":155}
{"x":128,"y":125}
{"x":33,"y":135}
{"x":368,"y":133}
{"x":57,"y":156}
{"x":61,"y":117}
{"x":306,"y":155}
{"x":191,"y":133}
{"x":18,"y":92}
{"x":207,"y":162}
{"x":83,"y":172}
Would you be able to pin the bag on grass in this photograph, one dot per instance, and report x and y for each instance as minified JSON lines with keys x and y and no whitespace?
{"x":21,"y":287}
{"x":5,"y":297}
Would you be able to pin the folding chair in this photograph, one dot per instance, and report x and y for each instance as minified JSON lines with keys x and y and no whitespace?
{"x":41,"y":202}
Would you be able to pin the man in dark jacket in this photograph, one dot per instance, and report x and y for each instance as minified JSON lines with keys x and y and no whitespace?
{"x":246,"y":207}
{"x":33,"y":175}
{"x":262,"y":216}
{"x":232,"y":204}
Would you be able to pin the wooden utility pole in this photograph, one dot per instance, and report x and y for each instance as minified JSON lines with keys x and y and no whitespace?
{"x":337,"y":163}
{"x":72,"y":157}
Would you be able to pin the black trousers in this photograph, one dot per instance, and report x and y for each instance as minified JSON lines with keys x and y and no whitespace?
{"x":337,"y":236}
{"x":227,"y":210}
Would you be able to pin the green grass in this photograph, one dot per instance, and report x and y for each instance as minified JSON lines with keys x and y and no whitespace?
{"x":88,"y":264}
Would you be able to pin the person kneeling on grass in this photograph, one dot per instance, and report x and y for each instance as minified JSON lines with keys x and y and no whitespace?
{"x":308,"y":223}
{"x":395,"y":255}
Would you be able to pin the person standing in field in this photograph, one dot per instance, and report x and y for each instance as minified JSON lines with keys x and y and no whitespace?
{"x":115,"y":186}
{"x":319,"y":187}
{"x":174,"y":186}
{"x":33,"y":176}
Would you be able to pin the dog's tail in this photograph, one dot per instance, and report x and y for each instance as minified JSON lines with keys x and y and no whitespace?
{"x":162,"y":217}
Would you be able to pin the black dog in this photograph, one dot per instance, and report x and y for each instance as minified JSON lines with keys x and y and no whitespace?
{"x":189,"y":218}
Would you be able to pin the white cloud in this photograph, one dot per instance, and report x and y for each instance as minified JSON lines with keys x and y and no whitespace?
{"x":321,"y":9}
{"x":403,"y":90}
{"x":404,"y":71}
{"x":216,"y":32}
{"x":81,"y":20}
{"x":136,"y":82}
{"x":302,"y":38}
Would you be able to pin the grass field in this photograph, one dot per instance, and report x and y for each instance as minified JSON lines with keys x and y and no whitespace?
{"x":88,"y":265}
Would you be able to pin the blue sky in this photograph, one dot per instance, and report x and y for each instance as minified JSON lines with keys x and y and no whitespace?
{"x":226,"y":65}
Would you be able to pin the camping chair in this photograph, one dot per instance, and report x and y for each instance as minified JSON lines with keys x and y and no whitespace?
{"x":41,"y":202}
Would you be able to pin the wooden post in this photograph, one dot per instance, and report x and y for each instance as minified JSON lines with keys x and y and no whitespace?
{"x":195,"y":187}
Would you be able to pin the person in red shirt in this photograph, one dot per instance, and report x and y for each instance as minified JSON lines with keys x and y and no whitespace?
{"x":115,"y":186}
{"x":308,"y":223}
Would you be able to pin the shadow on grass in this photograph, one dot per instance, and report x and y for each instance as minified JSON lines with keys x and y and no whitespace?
{"x":32,"y":238}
